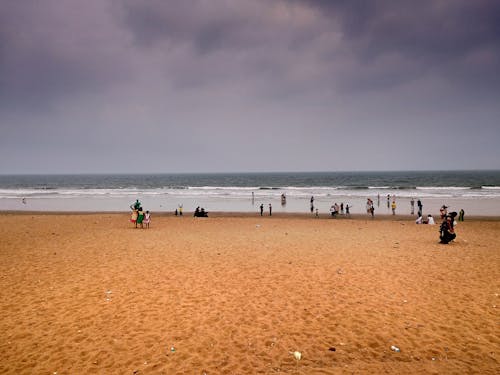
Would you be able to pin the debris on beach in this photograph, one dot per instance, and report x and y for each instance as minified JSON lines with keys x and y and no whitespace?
{"x":332,"y":349}
{"x":395,"y":349}
{"x":297,"y":355}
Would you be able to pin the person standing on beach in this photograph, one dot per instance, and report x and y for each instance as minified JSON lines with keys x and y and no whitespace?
{"x":412,"y":206}
{"x":388,"y":200}
{"x":461,"y":215}
{"x":140,"y":218}
{"x":420,"y":207}
{"x":262,"y":209}
{"x":270,"y":210}
{"x":136,"y":205}
{"x":133,"y":218}
{"x":393,"y":207}
{"x":147,"y":219}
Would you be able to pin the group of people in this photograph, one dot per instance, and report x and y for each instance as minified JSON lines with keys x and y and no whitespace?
{"x":335,"y":209}
{"x":446,"y":230}
{"x":200,"y":212}
{"x":139,"y":217}
{"x":261,"y":207}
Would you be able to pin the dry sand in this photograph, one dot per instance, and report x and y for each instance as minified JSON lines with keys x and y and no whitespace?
{"x":90,"y":294}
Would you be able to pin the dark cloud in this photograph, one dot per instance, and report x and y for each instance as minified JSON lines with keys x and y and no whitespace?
{"x":263,"y":78}
{"x":53,"y":50}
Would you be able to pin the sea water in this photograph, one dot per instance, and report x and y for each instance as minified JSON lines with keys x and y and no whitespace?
{"x":477,"y":192}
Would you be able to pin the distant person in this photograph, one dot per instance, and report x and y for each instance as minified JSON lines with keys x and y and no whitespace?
{"x":443,"y":211}
{"x":347,"y":208}
{"x":370,"y":209}
{"x":140,"y":218}
{"x":133,"y":217}
{"x":270,"y":210}
{"x":262,"y":209}
{"x":420,"y":207}
{"x":135,"y":205}
{"x":317,"y":213}
{"x":430,"y":220}
{"x":147,"y":219}
{"x":447,"y":230}
{"x":412,"y":206}
{"x":378,"y":200}
{"x":180,"y":210}
{"x":393,"y":207}
{"x":24,"y":200}
{"x":461,"y":215}
{"x":419,"y":220}
{"x":342,"y":208}
{"x":388,"y":200}
{"x":197,"y":212}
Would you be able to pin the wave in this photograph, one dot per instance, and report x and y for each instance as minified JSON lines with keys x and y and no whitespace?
{"x":443,"y":187}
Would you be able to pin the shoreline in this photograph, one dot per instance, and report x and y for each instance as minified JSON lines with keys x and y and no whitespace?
{"x":226,"y":214}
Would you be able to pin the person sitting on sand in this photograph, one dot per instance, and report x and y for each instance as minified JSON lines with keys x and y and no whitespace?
{"x":419,"y":220}
{"x":446,"y":230}
{"x":430,"y":220}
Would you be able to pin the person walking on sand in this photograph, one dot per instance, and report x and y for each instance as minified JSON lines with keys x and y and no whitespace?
{"x":262,"y":209}
{"x":270,"y":210}
{"x":393,"y":207}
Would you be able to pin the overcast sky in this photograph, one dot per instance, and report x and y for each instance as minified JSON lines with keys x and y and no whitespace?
{"x":248,"y":85}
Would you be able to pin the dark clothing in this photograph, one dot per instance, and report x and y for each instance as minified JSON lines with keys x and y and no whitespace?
{"x":447,"y":232}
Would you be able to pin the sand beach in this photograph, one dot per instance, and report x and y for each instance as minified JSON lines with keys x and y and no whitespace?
{"x":239,"y":294}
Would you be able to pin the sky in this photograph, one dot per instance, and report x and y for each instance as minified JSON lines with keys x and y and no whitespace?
{"x":159,"y":86}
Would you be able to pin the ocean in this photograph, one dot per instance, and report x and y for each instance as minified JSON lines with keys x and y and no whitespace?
{"x":477,"y":192}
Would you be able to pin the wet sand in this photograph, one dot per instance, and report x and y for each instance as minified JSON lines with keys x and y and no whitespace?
{"x":238,"y":294}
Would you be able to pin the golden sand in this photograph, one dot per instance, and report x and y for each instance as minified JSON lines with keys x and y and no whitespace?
{"x":90,"y":294}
